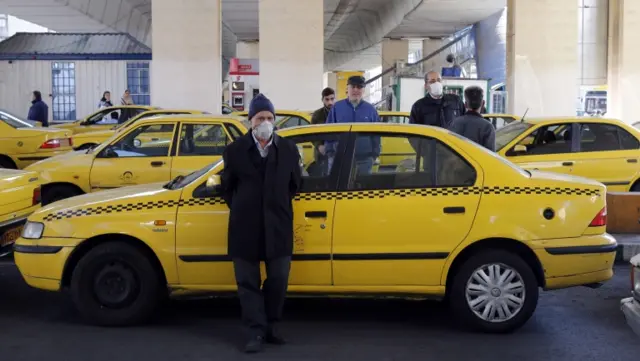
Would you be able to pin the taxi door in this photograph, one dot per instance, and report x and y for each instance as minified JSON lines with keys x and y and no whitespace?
{"x":396,"y":227}
{"x":199,"y":144}
{"x":131,"y":160}
{"x":607,"y":154}
{"x":547,"y":148}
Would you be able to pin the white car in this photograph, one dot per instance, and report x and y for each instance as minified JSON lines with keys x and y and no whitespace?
{"x":631,"y":305}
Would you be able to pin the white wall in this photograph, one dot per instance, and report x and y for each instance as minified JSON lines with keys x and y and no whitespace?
{"x":19,"y":79}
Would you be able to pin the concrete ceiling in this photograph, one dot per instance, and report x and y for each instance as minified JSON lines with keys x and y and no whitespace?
{"x":353,"y":28}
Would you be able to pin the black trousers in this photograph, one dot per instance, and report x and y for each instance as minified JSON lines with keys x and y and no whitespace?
{"x":262,"y":308}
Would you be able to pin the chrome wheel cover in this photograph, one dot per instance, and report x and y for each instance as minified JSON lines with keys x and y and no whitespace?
{"x":495,"y":292}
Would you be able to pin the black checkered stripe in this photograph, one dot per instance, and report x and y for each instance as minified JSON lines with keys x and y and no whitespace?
{"x":131,"y":207}
{"x":451,"y":191}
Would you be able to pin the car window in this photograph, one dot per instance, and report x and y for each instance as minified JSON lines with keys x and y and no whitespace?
{"x":398,"y":119}
{"x":106,"y":116}
{"x":636,"y":125}
{"x":14,"y":121}
{"x":291,"y":121}
{"x":202,"y":140}
{"x":234,"y":131}
{"x":500,"y":122}
{"x":605,"y":137}
{"x":319,"y":160}
{"x":145,"y":141}
{"x":551,"y":139}
{"x":407,"y":161}
{"x":508,"y":133}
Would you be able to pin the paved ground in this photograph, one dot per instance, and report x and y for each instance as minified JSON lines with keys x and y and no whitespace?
{"x":577,"y":324}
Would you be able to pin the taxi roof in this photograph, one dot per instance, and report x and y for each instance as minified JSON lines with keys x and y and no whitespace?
{"x":557,"y":119}
{"x":229,"y":118}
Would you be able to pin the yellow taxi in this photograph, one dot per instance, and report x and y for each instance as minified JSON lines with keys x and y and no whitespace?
{"x":155,"y":149}
{"x":606,"y":150}
{"x":20,"y":194}
{"x":23,"y":142}
{"x":452,"y":221}
{"x":91,"y":139}
{"x":284,"y":118}
{"x":104,"y":118}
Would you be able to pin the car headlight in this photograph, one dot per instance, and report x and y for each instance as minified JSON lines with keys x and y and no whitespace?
{"x":32,"y":230}
{"x":137,"y":142}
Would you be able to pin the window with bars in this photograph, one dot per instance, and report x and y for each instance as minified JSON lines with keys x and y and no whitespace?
{"x":138,"y":82}
{"x":63,"y":90}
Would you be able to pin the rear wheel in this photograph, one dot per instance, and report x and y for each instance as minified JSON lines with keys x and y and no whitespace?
{"x":7,"y":163}
{"x":635,"y":187}
{"x":58,"y":192}
{"x":494,"y":291}
{"x":116,"y":284}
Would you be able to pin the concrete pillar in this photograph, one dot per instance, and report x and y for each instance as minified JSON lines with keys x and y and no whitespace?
{"x":624,"y":74}
{"x":592,"y":41}
{"x":291,"y":52}
{"x":490,"y":38}
{"x":542,"y":64}
{"x":437,"y":62}
{"x":330,"y":80}
{"x":393,"y":50}
{"x":247,"y":50}
{"x":186,"y":71}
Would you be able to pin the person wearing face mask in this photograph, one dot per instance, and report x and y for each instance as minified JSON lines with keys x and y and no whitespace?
{"x":262,"y":174}
{"x":436,"y":108}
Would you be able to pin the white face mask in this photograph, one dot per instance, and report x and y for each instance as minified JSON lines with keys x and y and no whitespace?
{"x":264,"y":130}
{"x":435,"y":89}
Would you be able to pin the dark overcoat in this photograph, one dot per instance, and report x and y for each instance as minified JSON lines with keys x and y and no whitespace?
{"x":259,"y":193}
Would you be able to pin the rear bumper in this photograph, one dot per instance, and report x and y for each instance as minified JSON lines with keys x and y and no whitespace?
{"x":577,"y":261}
{"x":631,"y":310}
{"x":10,"y":227}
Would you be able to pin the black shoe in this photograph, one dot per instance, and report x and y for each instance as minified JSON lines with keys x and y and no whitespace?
{"x":274,"y":338}
{"x":254,"y":345}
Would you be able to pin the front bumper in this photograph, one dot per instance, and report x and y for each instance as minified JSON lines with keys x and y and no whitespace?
{"x":41,"y":262}
{"x":631,"y":310}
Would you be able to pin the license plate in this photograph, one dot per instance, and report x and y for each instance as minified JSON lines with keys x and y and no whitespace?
{"x":10,"y":236}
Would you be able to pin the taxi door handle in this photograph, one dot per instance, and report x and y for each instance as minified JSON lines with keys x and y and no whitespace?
{"x":632,"y":161}
{"x":567,"y":164}
{"x":452,"y":210}
{"x":315,"y":214}
{"x":157,"y":164}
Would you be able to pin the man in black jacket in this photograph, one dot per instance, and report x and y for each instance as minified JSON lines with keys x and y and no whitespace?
{"x":473,"y":125}
{"x":39,"y":111}
{"x":261,"y":176}
{"x":320,"y":115}
{"x":436,"y":108}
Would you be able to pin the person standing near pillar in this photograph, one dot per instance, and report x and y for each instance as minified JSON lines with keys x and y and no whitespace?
{"x":436,"y":108}
{"x":262,"y":174}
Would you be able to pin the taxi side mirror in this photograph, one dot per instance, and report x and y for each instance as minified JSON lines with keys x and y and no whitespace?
{"x":213,"y":184}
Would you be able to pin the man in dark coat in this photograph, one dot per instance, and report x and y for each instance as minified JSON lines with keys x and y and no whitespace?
{"x":472,"y":125}
{"x":436,"y":108}
{"x":261,"y":176}
{"x":39,"y":111}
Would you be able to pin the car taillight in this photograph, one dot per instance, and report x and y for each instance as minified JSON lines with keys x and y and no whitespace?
{"x":50,"y":144}
{"x":600,"y":219}
{"x":70,"y":140}
{"x":36,"y":196}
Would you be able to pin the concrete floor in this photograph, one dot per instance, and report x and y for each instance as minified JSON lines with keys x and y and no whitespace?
{"x":574,"y":324}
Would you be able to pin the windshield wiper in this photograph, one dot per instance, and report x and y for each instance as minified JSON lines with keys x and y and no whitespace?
{"x":173,"y":182}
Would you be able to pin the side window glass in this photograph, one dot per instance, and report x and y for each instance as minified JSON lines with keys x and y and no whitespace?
{"x":234,"y":131}
{"x":110,"y":116}
{"x":144,"y":141}
{"x":394,"y":119}
{"x":627,"y":140}
{"x":202,"y":139}
{"x":407,"y":161}
{"x":318,"y":160}
{"x":292,"y":121}
{"x":598,"y":137}
{"x":554,"y":139}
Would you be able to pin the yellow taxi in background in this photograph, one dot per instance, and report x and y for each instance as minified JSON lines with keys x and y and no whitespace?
{"x":284,"y":118}
{"x":91,"y":139}
{"x":458,"y":223}
{"x":606,"y":150}
{"x":20,"y":194}
{"x":23,"y":143}
{"x":155,"y":149}
{"x":103,"y":119}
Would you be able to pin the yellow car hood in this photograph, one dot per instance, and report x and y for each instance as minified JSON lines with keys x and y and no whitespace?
{"x":99,"y":133}
{"x":70,"y":159}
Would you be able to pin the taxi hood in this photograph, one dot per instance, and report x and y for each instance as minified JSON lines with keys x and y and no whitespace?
{"x":124,"y":195}
{"x":66,"y":159}
{"x":98,"y":133}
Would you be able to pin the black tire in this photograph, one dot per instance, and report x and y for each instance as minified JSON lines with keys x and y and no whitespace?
{"x":7,"y":164}
{"x":635,"y":187}
{"x":116,"y":265}
{"x":458,"y":297}
{"x":59,"y":192}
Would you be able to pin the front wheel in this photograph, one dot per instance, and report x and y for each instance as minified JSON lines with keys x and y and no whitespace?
{"x":494,"y":291}
{"x":115,"y":284}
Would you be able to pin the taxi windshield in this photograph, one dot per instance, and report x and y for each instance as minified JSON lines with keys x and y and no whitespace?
{"x":510,"y":132}
{"x":14,"y":121}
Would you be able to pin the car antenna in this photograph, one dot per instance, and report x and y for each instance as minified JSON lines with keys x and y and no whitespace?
{"x":524,"y":115}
